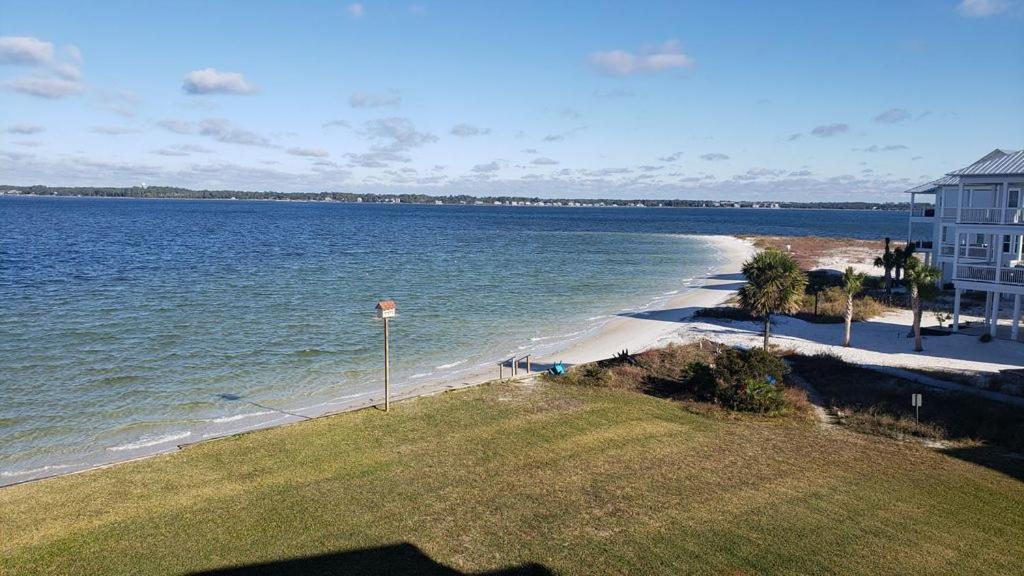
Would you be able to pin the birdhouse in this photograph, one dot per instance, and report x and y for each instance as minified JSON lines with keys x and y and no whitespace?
{"x":386,"y":309}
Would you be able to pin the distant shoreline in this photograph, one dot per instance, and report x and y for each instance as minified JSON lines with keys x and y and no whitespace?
{"x":519,"y":203}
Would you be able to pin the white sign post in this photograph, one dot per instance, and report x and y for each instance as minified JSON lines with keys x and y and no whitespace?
{"x":915,"y":401}
{"x":386,"y":310}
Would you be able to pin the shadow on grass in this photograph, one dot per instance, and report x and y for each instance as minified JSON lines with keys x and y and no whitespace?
{"x":991,"y":457}
{"x":395,"y":559}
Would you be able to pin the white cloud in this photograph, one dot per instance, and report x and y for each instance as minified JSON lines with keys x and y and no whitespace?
{"x":650,"y":60}
{"x":487,"y":168}
{"x":121,"y":102}
{"x":213,"y":81}
{"x":673,"y":157}
{"x":222,"y":130}
{"x":714,"y":157}
{"x":26,"y":129}
{"x":25,"y":50}
{"x":308,"y":152}
{"x":981,"y":8}
{"x":464,"y":130}
{"x":356,"y":10}
{"x":827,"y":130}
{"x":45,"y":86}
{"x":893,"y":116}
{"x":544,"y":161}
{"x":182,"y":150}
{"x":176,"y":126}
{"x":341,"y":123}
{"x":114,"y":130}
{"x":373,"y":100}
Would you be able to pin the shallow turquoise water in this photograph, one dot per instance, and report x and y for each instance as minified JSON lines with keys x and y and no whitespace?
{"x":130,"y":326}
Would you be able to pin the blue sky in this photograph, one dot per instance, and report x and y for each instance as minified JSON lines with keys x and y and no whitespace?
{"x":739,"y":100}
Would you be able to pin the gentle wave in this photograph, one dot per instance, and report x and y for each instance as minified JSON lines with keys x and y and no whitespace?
{"x":236,"y":417}
{"x":421,"y":375}
{"x":146,"y":442}
{"x":452,"y":365}
{"x":15,"y":473}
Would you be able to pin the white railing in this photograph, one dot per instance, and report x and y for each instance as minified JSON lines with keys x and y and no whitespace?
{"x":992,"y":215}
{"x":949,"y":212}
{"x":974,"y":251}
{"x":1014,"y":276}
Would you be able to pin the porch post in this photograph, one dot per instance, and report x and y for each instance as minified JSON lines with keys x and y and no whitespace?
{"x":959,"y":201}
{"x":956,"y":251}
{"x":1015,"y":327}
{"x":988,"y":307}
{"x":910,"y":221}
{"x":956,"y":309}
{"x":995,"y":315}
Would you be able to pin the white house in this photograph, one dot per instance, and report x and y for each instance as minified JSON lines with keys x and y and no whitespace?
{"x":976,"y":219}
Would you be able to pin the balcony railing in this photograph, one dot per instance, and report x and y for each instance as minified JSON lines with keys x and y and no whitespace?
{"x":992,"y":215}
{"x":949,"y":212}
{"x":923,"y":212}
{"x":974,"y":251}
{"x":987,"y":273}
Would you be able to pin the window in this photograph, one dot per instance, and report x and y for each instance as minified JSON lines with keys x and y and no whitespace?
{"x":1013,"y":201}
{"x":945,"y":234}
{"x":1006,"y":242}
{"x":979,"y":239}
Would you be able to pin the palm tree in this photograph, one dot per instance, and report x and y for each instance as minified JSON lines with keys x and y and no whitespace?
{"x":853,"y":282}
{"x":887,"y":261}
{"x":901,"y":255}
{"x":921,"y":281}
{"x":775,"y":284}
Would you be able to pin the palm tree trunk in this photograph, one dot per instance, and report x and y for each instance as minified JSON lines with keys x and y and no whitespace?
{"x":888,"y":280}
{"x":915,"y":303}
{"x":767,"y":328}
{"x":849,"y":319}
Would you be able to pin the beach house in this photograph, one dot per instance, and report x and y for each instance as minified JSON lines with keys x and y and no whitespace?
{"x":973,"y":229}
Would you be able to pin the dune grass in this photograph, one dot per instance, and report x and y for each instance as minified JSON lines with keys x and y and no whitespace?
{"x":543,"y":477}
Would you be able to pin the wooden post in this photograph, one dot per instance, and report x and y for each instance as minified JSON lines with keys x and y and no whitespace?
{"x":387,"y":369}
{"x":528,"y":360}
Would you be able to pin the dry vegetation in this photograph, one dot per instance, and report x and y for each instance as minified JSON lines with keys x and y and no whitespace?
{"x":877,"y":403}
{"x":809,"y":251}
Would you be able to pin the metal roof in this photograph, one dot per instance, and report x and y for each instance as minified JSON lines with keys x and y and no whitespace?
{"x":1009,"y":163}
{"x":934,"y":184}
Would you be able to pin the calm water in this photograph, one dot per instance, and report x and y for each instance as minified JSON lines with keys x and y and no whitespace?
{"x":128,"y":326}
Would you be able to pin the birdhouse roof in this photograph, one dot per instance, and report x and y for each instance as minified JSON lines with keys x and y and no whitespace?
{"x":386,"y":305}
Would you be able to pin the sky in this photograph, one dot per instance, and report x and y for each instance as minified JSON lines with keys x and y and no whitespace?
{"x":802,"y":101}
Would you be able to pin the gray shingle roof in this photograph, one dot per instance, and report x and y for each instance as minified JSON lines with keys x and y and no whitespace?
{"x":934,"y":184}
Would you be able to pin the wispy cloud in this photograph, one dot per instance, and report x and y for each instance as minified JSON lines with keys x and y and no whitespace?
{"x":673,"y":157}
{"x":645,"y":61}
{"x":114,"y":130}
{"x":373,"y":100}
{"x":981,"y":8}
{"x":487,"y":168}
{"x":26,"y":129}
{"x":544,"y":161}
{"x":827,"y":130}
{"x":463,"y":130}
{"x":45,"y":86}
{"x":25,"y":50}
{"x":356,"y":10}
{"x":714,"y":157}
{"x":222,"y":130}
{"x":176,"y":126}
{"x":213,"y":81}
{"x":308,"y":152}
{"x":887,"y":148}
{"x":893,"y":116}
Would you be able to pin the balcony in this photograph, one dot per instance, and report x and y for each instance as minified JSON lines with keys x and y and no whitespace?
{"x":992,"y":215}
{"x":987,"y":273}
{"x":923,"y":212}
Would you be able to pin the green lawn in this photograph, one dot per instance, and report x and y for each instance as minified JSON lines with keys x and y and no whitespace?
{"x":571,"y":479}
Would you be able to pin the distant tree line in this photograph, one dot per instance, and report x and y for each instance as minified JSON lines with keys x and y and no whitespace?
{"x":186,"y":193}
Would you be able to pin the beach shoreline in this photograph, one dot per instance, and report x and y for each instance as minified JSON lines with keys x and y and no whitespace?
{"x":634,"y":331}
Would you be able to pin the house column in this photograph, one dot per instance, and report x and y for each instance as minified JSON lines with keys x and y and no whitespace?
{"x":956,"y":251}
{"x":956,"y":309}
{"x":995,"y":315}
{"x":910,"y":221}
{"x":1015,"y":327}
{"x":988,"y":307}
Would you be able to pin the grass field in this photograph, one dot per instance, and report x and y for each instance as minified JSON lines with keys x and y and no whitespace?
{"x":526,"y":478}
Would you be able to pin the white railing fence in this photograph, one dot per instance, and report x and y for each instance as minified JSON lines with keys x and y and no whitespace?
{"x":991,"y":215}
{"x":1014,"y":276}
